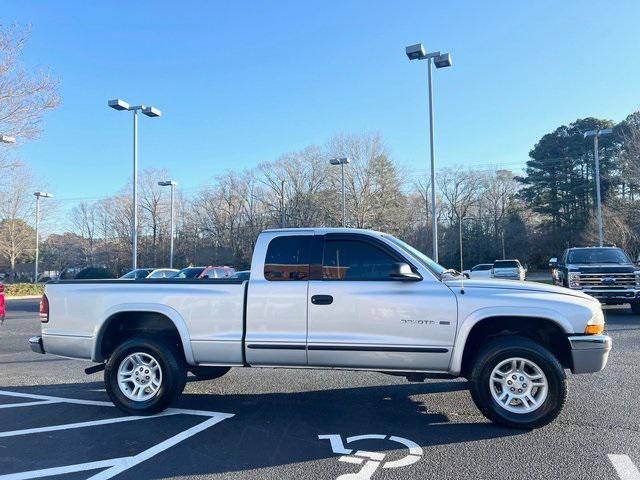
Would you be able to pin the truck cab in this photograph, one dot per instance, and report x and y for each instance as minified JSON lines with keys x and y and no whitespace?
{"x":606,"y":273}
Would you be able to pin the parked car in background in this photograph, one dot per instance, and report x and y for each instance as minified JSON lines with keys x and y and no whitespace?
{"x":606,"y":273}
{"x":508,"y":270}
{"x":243,"y":275}
{"x":482,"y":270}
{"x":163,"y":273}
{"x":94,"y":273}
{"x":217,"y":272}
{"x":2,"y":307}
{"x":136,"y":274}
{"x":190,"y":272}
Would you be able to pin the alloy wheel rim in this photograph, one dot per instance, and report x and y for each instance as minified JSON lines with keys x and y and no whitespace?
{"x":139,"y":376}
{"x":518,"y":385}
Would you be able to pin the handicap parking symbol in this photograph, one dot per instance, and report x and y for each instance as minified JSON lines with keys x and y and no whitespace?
{"x":371,"y":461}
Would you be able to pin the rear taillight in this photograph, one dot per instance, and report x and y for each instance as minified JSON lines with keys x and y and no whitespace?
{"x":44,"y":309}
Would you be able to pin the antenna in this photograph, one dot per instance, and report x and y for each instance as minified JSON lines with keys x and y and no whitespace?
{"x":460,"y":220}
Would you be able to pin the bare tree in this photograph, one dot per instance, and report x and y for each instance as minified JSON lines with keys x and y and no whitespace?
{"x":25,"y":94}
{"x":17,"y":237}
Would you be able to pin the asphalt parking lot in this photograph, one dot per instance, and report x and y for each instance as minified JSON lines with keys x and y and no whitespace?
{"x":56,"y":422}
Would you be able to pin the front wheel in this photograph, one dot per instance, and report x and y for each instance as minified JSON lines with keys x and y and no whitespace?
{"x":635,"y":308}
{"x":144,"y":375}
{"x":518,"y":383}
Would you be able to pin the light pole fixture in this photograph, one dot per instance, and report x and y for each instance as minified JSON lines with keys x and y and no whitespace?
{"x":118,"y":104}
{"x":596,"y":134}
{"x":7,"y":139}
{"x":172,"y":184}
{"x":342,"y":162}
{"x":440,"y":60}
{"x":283,"y":221}
{"x":38,"y":196}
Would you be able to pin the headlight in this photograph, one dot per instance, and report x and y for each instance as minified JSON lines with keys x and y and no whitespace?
{"x":574,"y":279}
{"x":638,"y":278}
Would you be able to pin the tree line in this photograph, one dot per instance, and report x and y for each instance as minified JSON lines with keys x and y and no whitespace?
{"x":530,"y":215}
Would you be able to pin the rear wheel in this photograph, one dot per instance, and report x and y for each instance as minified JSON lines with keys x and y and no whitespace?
{"x":144,"y":375}
{"x":635,"y":308}
{"x":209,"y":373}
{"x":518,"y":383}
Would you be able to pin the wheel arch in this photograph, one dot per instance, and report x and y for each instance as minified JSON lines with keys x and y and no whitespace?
{"x":124,"y":311}
{"x":492,"y":317}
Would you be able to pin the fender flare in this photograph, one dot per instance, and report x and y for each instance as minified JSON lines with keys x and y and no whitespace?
{"x":164,"y":310}
{"x":481,"y":314}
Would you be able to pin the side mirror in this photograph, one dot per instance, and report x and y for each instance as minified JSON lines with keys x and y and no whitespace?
{"x":403,"y":272}
{"x":466,"y":275}
{"x":553,"y":262}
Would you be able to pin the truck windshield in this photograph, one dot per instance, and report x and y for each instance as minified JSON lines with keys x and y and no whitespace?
{"x":417,"y":254}
{"x":597,"y":255}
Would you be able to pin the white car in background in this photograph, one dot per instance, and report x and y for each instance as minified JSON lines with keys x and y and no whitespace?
{"x":482,"y":270}
{"x":163,"y":273}
{"x":508,"y":270}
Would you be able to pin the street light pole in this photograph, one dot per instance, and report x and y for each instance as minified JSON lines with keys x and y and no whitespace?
{"x":134,"y":226}
{"x":342,"y":162}
{"x":596,"y":135}
{"x":118,"y":104}
{"x":38,"y":195}
{"x":172,"y":184}
{"x":432,"y":150}
{"x":441,"y":60}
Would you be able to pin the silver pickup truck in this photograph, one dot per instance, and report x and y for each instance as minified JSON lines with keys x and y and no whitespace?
{"x":333,"y":299}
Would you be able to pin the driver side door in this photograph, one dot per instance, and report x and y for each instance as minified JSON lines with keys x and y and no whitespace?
{"x":360,"y":317}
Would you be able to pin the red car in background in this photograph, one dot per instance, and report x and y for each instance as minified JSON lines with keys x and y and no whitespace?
{"x":2,"y":307}
{"x":205,"y":272}
{"x":217,"y":272}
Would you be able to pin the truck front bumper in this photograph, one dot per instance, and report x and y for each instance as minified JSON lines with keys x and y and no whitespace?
{"x":613,"y":296}
{"x":589,"y":352}
{"x":36,"y":344}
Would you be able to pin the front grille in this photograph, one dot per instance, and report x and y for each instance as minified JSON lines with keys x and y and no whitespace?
{"x":608,"y":280}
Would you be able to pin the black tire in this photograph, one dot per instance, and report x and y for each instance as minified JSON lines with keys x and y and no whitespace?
{"x":173,"y":370}
{"x":502,"y":349}
{"x":635,"y":308}
{"x":209,"y":373}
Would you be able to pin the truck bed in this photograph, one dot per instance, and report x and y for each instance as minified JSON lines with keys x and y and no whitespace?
{"x":207,"y":312}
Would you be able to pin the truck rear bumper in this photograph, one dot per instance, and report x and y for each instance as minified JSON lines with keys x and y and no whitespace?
{"x":36,"y":344}
{"x":589,"y":352}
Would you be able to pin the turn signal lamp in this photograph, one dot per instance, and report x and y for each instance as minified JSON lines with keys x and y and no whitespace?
{"x":594,"y":329}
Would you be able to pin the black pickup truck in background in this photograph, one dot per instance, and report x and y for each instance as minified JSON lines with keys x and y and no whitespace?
{"x":606,"y":273}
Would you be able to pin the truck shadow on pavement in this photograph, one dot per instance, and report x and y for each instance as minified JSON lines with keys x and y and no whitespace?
{"x":281,"y":429}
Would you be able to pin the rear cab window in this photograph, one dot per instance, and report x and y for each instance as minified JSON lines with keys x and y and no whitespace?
{"x":287,"y":258}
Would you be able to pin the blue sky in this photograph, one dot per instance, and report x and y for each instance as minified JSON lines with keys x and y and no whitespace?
{"x":244,"y":82}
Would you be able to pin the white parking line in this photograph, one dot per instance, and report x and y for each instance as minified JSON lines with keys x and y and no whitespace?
{"x":48,"y":472}
{"x":114,"y":466}
{"x":625,"y":468}
{"x":70,"y":426}
{"x":56,"y":399}
{"x":28,"y":404}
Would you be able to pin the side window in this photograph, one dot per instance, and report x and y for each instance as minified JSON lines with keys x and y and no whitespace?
{"x":288,"y":258}
{"x":355,"y":260}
